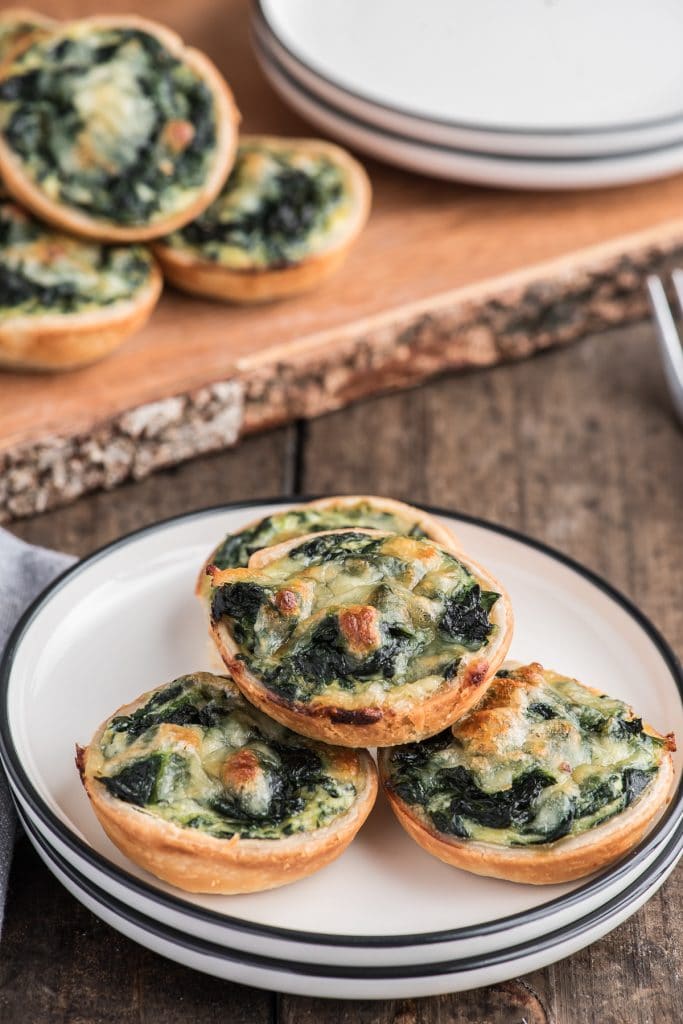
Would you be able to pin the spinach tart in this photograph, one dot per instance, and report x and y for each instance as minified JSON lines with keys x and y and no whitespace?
{"x":545,"y":781}
{"x":359,"y":637}
{"x":112,"y":129}
{"x":286,"y":219}
{"x":202,"y":790}
{"x":332,"y":513}
{"x":64,"y":301}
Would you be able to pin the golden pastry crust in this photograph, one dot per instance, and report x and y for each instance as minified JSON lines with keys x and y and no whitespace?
{"x":402,"y":512}
{"x":198,"y":862}
{"x":39,"y":337}
{"x":561,"y":860}
{"x":19,"y":27}
{"x":185,"y":268}
{"x":76,"y":220}
{"x":69,"y":341}
{"x":348,"y":717}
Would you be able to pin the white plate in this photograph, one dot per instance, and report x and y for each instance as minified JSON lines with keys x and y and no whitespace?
{"x":126,"y":619}
{"x":361,"y":983}
{"x":465,"y":165}
{"x":420,"y":129}
{"x":528,"y":66}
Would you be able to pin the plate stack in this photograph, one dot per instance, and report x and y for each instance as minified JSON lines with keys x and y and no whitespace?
{"x":523,"y":95}
{"x":386,"y":920}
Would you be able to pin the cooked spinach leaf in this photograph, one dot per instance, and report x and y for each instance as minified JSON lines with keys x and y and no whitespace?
{"x":466,"y":616}
{"x":135,"y":782}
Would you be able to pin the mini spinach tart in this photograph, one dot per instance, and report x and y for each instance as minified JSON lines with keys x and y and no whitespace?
{"x":285,"y":219}
{"x":201,"y":789}
{"x":545,"y":780}
{"x":333,"y":513}
{"x":111,"y":128}
{"x":65,"y":302}
{"x":359,"y":637}
{"x":19,"y":27}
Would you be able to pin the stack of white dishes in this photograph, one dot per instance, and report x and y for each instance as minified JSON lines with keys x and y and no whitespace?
{"x":528,"y":94}
{"x":385,"y":920}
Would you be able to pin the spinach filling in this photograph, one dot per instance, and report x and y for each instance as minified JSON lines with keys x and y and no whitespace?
{"x":293,"y":789}
{"x":119,"y":164}
{"x":43,"y":271}
{"x":457,"y":787}
{"x":237,"y":548}
{"x":425,"y":621}
{"x":270,"y":219}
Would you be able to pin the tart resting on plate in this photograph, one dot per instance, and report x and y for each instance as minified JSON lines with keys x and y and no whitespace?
{"x":544,"y":781}
{"x":65,"y":302}
{"x":333,"y":513}
{"x":284,"y":220}
{"x":111,"y":128}
{"x":202,"y":790}
{"x":359,"y":637}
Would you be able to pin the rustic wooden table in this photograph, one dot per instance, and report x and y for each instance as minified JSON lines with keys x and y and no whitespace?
{"x":577,"y":448}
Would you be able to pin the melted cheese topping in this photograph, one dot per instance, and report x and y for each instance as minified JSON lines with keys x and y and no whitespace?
{"x":195,"y":753}
{"x":43,"y":272}
{"x":108,"y":121}
{"x":348,"y":615}
{"x":279,"y":206}
{"x":540,"y":757}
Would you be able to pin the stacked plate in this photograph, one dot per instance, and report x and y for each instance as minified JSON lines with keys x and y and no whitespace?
{"x":525,"y":95}
{"x":385,"y":920}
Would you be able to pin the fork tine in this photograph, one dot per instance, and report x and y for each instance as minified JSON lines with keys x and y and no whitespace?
{"x":667,"y":333}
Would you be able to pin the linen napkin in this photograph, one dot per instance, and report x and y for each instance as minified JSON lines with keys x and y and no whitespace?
{"x":24,"y":571}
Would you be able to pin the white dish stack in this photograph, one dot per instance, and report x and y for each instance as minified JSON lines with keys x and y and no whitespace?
{"x":385,"y":920}
{"x":524,"y":95}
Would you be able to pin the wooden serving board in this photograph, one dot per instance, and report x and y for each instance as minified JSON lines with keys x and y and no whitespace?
{"x":444,"y":277}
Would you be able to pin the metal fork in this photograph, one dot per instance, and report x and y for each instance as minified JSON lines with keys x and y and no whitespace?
{"x":670,"y":346}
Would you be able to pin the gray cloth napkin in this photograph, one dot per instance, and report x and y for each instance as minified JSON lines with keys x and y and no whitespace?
{"x":24,"y":571}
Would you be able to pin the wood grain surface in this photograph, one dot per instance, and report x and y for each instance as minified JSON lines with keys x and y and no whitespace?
{"x":444,"y":277}
{"x":577,"y":448}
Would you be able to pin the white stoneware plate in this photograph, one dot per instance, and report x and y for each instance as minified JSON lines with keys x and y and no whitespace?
{"x":507,"y":141}
{"x":466,"y":165}
{"x":340,"y":982}
{"x":530,"y":67}
{"x":126,"y":619}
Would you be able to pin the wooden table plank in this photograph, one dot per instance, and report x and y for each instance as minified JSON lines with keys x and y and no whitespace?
{"x":579,"y":449}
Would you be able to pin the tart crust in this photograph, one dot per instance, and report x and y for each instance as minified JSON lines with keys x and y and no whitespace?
{"x":37,"y":27}
{"x":197,"y":862}
{"x":21,"y":186}
{"x":187,"y":271}
{"x":563,"y":860}
{"x":65,"y":341}
{"x":348,"y":721}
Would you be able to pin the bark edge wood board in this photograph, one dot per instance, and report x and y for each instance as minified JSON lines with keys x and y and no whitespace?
{"x":509,"y":318}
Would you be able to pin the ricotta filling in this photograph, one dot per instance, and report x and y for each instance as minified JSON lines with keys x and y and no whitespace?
{"x":277,"y":207}
{"x":108,"y":121}
{"x":44,"y":272}
{"x":535,"y":761}
{"x":202,"y":758}
{"x":353,"y":614}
